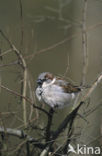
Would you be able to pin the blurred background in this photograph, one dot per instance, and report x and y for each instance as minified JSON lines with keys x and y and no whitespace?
{"x":49,"y":36}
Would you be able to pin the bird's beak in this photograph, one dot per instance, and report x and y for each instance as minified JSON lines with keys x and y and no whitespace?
{"x":39,"y":82}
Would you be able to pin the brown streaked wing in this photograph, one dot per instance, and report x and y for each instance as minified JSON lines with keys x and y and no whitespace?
{"x":67,"y":87}
{"x":70,"y":89}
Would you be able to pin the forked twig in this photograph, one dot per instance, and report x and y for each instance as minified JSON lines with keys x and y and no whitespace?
{"x":24,"y":67}
{"x":25,"y":98}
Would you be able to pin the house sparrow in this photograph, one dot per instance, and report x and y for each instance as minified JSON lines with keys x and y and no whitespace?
{"x":55,"y":91}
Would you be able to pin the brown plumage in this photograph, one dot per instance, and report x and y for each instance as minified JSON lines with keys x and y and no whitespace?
{"x":70,"y":89}
{"x":56,"y":91}
{"x":67,"y":87}
{"x":49,"y":76}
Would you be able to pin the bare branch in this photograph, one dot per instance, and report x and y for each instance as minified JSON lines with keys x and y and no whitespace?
{"x":22,"y":23}
{"x":24,"y":67}
{"x":63,"y":41}
{"x":6,"y":52}
{"x":68,"y":119}
{"x":84,"y":43}
{"x":49,"y":124}
{"x":10,"y":64}
{"x":25,"y":98}
{"x":93,"y":87}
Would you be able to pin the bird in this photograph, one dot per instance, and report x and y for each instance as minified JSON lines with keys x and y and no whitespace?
{"x":55,"y":91}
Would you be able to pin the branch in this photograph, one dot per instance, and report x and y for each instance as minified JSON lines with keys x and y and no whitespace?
{"x":84,"y":43}
{"x":22,"y":23}
{"x":68,"y":119}
{"x":24,"y":66}
{"x":49,"y":124}
{"x":5,"y":52}
{"x":10,"y":64}
{"x":20,"y":134}
{"x":93,"y":87}
{"x":90,"y":91}
{"x":25,"y":98}
{"x":63,"y":41}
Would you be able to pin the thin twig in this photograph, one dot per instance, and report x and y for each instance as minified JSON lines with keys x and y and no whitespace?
{"x":93,"y":109}
{"x":6,"y":52}
{"x":24,"y":66}
{"x":68,"y":119}
{"x":25,"y":98}
{"x":67,"y":68}
{"x":32,"y":97}
{"x":9,"y":64}
{"x":62,"y":42}
{"x":90,"y":91}
{"x":84,"y":43}
{"x":22,"y":135}
{"x":93,"y":87}
{"x":22,"y":25}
